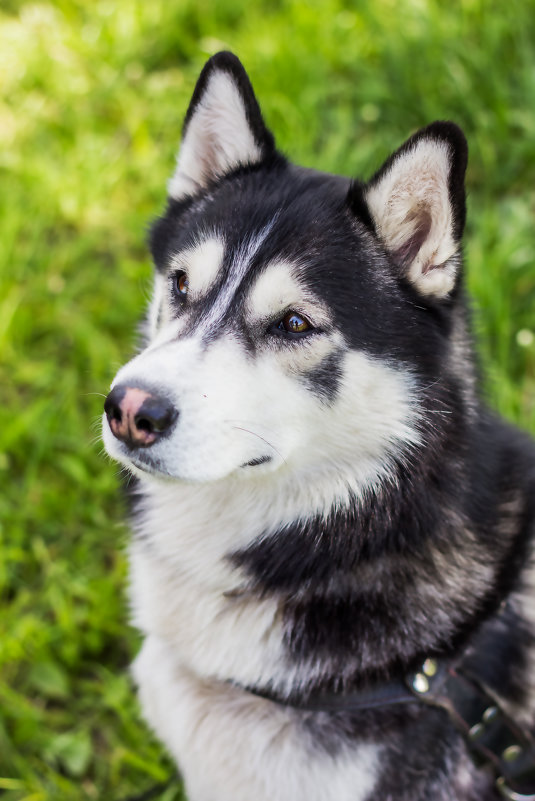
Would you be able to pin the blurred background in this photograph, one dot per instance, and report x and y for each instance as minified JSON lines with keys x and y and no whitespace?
{"x":92,"y":96}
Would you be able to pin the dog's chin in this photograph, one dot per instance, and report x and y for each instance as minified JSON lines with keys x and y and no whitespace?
{"x":141,"y":467}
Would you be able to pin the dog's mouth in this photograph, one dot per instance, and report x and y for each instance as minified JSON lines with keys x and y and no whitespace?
{"x":258,"y":461}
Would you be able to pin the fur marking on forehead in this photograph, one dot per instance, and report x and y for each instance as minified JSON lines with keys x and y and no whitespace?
{"x":277,"y":289}
{"x":201,"y":263}
{"x":241,"y":261}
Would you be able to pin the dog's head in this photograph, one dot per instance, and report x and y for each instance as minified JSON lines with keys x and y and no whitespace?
{"x":297,"y":318}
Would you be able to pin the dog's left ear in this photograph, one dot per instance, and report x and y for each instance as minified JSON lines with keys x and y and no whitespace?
{"x":223,"y":128}
{"x":417,"y":204}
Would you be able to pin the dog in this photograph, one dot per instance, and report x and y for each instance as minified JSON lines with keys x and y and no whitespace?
{"x":333,"y":561}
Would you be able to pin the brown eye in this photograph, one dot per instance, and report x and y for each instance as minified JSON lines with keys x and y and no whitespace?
{"x":293,"y":323}
{"x":181,"y":284}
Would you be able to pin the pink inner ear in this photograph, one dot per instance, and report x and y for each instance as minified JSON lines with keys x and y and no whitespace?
{"x":418,"y":223}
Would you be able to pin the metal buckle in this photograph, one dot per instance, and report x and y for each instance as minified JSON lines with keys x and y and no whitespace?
{"x":506,"y":792}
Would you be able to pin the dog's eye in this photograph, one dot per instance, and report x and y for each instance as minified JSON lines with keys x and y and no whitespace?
{"x":293,"y":323}
{"x":180,"y":283}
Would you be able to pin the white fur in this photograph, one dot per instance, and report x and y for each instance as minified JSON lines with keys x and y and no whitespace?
{"x":235,"y":747}
{"x":274,"y":290}
{"x":279,"y":289}
{"x":217,"y":139}
{"x":417,"y":182}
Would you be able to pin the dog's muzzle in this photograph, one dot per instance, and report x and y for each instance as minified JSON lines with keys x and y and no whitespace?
{"x":137,"y":417}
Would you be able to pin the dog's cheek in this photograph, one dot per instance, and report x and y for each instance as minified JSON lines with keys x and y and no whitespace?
{"x":372,"y":416}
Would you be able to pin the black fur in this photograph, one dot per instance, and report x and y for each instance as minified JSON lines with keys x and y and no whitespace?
{"x":324,"y":380}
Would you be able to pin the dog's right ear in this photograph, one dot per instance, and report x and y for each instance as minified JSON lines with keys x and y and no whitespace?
{"x":223,"y":128}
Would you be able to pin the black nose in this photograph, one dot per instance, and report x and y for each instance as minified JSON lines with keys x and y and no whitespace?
{"x":138,"y":418}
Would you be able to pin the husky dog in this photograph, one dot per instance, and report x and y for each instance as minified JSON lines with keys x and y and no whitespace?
{"x":322,"y":502}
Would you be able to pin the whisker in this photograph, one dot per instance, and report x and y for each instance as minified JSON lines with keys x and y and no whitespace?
{"x":96,"y":422}
{"x":254,"y":434}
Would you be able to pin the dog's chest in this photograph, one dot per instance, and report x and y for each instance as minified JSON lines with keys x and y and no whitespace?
{"x":254,"y":749}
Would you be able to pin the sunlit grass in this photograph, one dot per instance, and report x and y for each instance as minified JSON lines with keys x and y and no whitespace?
{"x":92,"y":98}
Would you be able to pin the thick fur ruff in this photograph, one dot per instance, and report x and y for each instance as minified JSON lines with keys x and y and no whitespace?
{"x":321,"y":500}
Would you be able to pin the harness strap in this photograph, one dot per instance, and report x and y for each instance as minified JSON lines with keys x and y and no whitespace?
{"x":386,"y":694}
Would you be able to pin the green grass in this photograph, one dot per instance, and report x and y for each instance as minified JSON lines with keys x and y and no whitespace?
{"x":93,"y":95}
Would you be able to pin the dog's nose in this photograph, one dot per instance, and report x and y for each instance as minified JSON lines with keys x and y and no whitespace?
{"x":138,"y":418}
